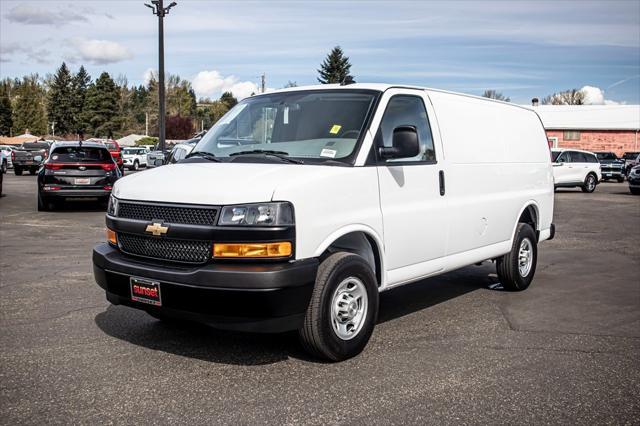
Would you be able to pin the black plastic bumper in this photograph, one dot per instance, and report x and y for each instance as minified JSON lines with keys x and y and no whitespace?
{"x":248,"y":297}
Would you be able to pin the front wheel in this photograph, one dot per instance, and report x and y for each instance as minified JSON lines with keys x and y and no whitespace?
{"x":32,"y":172}
{"x":136,"y":166}
{"x":343,"y":309}
{"x":516,"y":268}
{"x":635,"y":191}
{"x":590,"y":183}
{"x":620,"y":179}
{"x":17,"y":170}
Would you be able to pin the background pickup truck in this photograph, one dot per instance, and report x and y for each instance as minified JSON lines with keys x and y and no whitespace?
{"x":29,"y":157}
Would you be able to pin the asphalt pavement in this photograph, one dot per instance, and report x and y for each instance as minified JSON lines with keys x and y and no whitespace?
{"x":447,"y":350}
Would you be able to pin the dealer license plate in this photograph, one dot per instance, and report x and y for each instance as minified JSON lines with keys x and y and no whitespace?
{"x":145,"y":291}
{"x":82,"y":181}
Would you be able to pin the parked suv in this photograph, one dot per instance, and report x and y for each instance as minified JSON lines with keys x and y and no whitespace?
{"x":300,"y":206}
{"x":134,"y":158}
{"x":575,"y":168}
{"x":29,"y":157}
{"x":611,"y":166}
{"x":634,"y":180}
{"x":630,"y":159}
{"x":7,"y":163}
{"x":76,"y":169}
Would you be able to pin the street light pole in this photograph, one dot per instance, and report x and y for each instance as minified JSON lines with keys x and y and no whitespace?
{"x":161,"y":11}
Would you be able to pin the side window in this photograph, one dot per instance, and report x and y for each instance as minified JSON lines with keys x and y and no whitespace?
{"x":409,"y":110}
{"x":578,"y":157}
{"x":565,"y":157}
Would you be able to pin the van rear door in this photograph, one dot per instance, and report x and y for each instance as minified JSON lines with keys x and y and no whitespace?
{"x":413,"y":209}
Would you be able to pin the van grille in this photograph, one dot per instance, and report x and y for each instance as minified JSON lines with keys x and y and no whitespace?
{"x":187,"y":251}
{"x":168,"y":214}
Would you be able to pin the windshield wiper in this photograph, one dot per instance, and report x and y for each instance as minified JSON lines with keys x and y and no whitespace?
{"x":204,"y":154}
{"x":279,"y":154}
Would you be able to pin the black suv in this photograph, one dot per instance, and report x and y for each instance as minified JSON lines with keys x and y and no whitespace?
{"x":76,"y":169}
{"x":612,"y":167}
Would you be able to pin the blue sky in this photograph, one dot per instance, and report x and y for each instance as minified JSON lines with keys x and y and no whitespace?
{"x":521,"y":48}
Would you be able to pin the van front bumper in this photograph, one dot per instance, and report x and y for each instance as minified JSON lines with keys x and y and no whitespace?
{"x":240,"y":296}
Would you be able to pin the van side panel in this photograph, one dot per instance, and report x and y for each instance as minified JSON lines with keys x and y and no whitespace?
{"x":497,"y":162}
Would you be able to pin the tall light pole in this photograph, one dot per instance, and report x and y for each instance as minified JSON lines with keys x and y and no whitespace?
{"x":161,"y":11}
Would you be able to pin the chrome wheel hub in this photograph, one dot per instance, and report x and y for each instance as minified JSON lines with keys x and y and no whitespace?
{"x":525,"y":257}
{"x":349,"y":308}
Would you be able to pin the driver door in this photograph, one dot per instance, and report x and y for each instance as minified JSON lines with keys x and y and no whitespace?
{"x":413,"y":209}
{"x":563,"y":169}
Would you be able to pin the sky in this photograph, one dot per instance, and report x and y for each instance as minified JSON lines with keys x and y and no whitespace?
{"x":523,"y":49}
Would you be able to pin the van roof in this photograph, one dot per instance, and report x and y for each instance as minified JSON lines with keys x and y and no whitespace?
{"x":381,"y":87}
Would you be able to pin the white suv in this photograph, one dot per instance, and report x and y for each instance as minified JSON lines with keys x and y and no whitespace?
{"x":573,"y":167}
{"x":134,"y":158}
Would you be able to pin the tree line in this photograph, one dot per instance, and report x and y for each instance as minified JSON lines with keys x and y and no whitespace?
{"x":71,"y":104}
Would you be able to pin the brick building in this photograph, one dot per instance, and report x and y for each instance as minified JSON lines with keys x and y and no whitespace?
{"x":592,"y":127}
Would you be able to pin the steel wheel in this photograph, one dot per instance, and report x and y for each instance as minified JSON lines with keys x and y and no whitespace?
{"x":349,"y":308}
{"x":525,"y":257}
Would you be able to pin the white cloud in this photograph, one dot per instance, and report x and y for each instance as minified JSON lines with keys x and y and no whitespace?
{"x":100,"y":52}
{"x":212,"y":84}
{"x":595,"y":96}
{"x":30,"y":15}
{"x":149,"y":74}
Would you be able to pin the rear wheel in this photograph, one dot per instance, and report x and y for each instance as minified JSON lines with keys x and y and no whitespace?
{"x":32,"y":171}
{"x":17,"y":170}
{"x":635,"y":191}
{"x":590,"y":183}
{"x":343,"y":309}
{"x":620,"y":179}
{"x":44,"y":205}
{"x":3,"y":167}
{"x":136,"y":165}
{"x":516,"y":268}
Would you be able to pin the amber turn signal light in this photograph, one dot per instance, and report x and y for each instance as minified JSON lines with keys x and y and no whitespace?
{"x":252,"y":250}
{"x":111,"y":237}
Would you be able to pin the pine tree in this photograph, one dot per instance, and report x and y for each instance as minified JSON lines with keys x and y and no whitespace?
{"x":101,"y":107}
{"x":228,"y":99}
{"x":79,"y":85}
{"x":335,"y":68}
{"x":29,"y":109}
{"x":60,"y":101}
{"x":5,"y":111}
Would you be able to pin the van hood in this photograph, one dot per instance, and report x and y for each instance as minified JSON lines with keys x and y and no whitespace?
{"x":216,"y":183}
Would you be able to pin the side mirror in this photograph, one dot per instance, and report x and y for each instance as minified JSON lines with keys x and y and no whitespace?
{"x":405,"y":144}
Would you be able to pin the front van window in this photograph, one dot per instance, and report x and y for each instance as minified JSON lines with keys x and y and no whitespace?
{"x":319,"y":124}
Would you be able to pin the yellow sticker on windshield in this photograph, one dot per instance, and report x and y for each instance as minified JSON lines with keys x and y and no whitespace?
{"x":335,"y":129}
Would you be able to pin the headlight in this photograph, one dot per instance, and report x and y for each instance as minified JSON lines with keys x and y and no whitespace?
{"x":112,"y":209}
{"x":263,"y":214}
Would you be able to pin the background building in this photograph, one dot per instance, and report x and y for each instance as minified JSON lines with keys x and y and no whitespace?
{"x":592,"y":127}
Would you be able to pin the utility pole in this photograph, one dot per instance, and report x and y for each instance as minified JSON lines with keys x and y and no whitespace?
{"x":160,"y":11}
{"x":53,"y":129}
{"x":146,"y":123}
{"x":263,"y":84}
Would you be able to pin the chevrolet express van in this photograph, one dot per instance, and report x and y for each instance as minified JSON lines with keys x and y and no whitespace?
{"x":300,"y":206}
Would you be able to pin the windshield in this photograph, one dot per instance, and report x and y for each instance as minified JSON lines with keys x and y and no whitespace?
{"x":606,"y":156}
{"x":130,"y":151}
{"x":78,"y":154}
{"x":630,"y":155}
{"x":322,"y":124}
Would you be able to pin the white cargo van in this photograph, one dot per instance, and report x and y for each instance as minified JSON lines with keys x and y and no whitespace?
{"x":299,"y":206}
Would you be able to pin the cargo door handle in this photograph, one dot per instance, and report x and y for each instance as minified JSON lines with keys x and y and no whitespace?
{"x":441,"y":176}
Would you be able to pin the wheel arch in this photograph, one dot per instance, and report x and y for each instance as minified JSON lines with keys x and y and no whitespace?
{"x":358,"y":239}
{"x":529,"y":213}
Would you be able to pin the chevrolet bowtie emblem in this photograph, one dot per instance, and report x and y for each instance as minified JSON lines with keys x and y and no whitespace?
{"x":157,"y":229}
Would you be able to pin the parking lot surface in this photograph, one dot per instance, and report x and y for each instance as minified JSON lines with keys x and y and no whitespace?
{"x":451,"y":349}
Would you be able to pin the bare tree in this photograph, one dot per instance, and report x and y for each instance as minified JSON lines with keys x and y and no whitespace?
{"x":492,"y":94}
{"x":568,"y":97}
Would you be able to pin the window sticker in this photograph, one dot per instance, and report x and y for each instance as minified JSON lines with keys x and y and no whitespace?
{"x":331,"y":153}
{"x":335,"y":129}
{"x":286,"y":115}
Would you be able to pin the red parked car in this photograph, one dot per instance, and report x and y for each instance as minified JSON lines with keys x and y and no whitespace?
{"x":114,"y":150}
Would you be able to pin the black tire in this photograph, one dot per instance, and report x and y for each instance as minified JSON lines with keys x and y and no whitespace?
{"x":43,"y":204}
{"x":590,"y":183}
{"x":4,"y":167}
{"x":317,"y":334}
{"x":620,"y":179}
{"x":507,"y":266}
{"x":17,"y":170}
{"x":32,"y":171}
{"x":635,"y":191}
{"x":136,"y":165}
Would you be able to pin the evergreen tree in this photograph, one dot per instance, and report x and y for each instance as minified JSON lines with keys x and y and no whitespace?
{"x":79,"y":85}
{"x":335,"y":68}
{"x":228,"y":99}
{"x":101,"y":107}
{"x":29,"y":109}
{"x":60,"y":101}
{"x":5,"y":111}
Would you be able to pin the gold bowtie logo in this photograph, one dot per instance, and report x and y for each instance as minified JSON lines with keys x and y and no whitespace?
{"x":157,"y":229}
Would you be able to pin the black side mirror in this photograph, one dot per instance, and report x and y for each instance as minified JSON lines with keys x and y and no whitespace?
{"x":405,"y":144}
